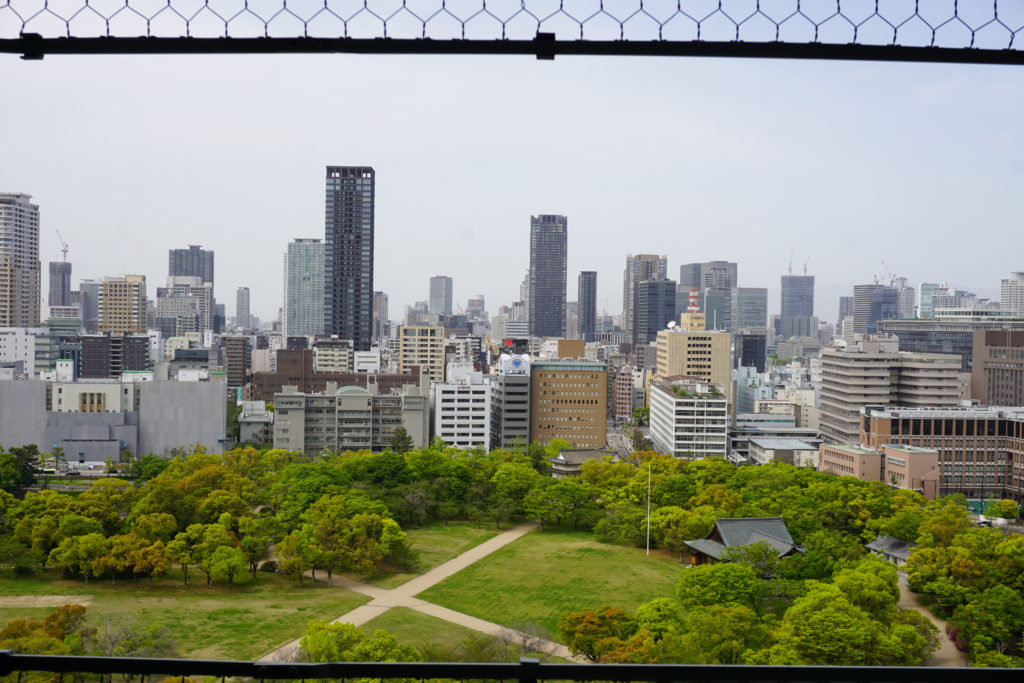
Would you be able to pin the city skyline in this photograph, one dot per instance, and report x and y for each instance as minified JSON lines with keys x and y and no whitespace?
{"x":771,"y":173}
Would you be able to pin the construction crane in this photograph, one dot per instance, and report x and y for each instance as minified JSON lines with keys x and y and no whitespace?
{"x":790,"y":263}
{"x":806,"y":261}
{"x":63,"y":245}
{"x":892,"y":275}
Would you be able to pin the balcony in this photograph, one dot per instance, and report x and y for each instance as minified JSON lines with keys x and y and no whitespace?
{"x":524,"y":671}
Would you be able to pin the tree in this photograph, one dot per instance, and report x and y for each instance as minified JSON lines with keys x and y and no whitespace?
{"x":719,"y":584}
{"x":156,"y":526}
{"x":1007,"y":509}
{"x":117,"y":638}
{"x":872,"y":586}
{"x":257,"y":535}
{"x":334,"y":642}
{"x":228,"y":563}
{"x":641,"y":416}
{"x":716,"y":635}
{"x":293,"y":554}
{"x":825,"y":628}
{"x":993,"y":621}
{"x":80,"y":554}
{"x":401,"y":441}
{"x":182,"y":552}
{"x":583,"y":631}
{"x":151,"y":561}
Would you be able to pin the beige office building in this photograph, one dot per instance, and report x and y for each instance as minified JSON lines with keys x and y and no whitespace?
{"x":875,"y":372}
{"x":900,"y":466}
{"x":422,"y":345}
{"x":122,"y":305}
{"x":569,"y":401}
{"x":704,"y":355}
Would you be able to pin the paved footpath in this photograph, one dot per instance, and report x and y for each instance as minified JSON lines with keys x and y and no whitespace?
{"x":404,"y":596}
{"x":947,"y":654}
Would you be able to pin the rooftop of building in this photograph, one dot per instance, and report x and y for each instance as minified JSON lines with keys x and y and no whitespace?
{"x":908,"y":449}
{"x":783,"y":444}
{"x":851,"y":449}
{"x":952,"y":412}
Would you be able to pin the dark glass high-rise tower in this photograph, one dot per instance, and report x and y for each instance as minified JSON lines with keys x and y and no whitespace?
{"x":548,"y":251}
{"x":192,"y":262}
{"x":348,"y":254}
{"x":60,"y":283}
{"x":587,"y":297}
{"x":796,"y":318}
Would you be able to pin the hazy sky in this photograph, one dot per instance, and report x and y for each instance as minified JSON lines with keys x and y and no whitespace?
{"x":746,"y":160}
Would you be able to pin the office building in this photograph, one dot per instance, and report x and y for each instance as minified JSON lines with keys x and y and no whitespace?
{"x":20,"y":278}
{"x":548,"y":253}
{"x":461,"y":406}
{"x":875,"y":372}
{"x":350,"y":418}
{"x":946,"y":334}
{"x":422,"y":346}
{"x":704,"y":355}
{"x":348,"y":254}
{"x":749,"y":308}
{"x":997,"y":372}
{"x":295,"y":368}
{"x":980,"y":450}
{"x":510,"y":403}
{"x":751,"y":348}
{"x":655,"y":308}
{"x":302,"y":314}
{"x":185,"y":305}
{"x":906,"y":298}
{"x":569,"y":401}
{"x":1011,"y":294}
{"x":689,"y":418}
{"x":872,"y":303}
{"x":689,"y":277}
{"x":797,"y":313}
{"x":587,"y":298}
{"x":243,"y":317}
{"x":440,"y":300}
{"x":845,"y":309}
{"x":121,"y":305}
{"x":639,"y":268}
{"x":60,"y":284}
{"x":925,"y":295}
{"x":721,"y":275}
{"x":903,"y":467}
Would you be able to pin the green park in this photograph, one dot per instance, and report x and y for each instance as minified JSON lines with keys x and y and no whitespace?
{"x":437,"y":553}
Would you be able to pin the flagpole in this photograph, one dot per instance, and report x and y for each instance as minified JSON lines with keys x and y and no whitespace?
{"x":648,"y":507}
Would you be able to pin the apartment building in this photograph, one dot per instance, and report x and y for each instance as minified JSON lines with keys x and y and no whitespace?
{"x":875,"y":372}
{"x":332,"y":355}
{"x":350,"y":418}
{"x":122,"y":305}
{"x":569,"y":401}
{"x":689,"y":418}
{"x":423,"y":346}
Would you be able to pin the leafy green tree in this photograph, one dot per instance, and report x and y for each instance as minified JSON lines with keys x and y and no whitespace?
{"x":147,"y":467}
{"x":716,"y":635}
{"x":993,"y":621}
{"x":825,"y":628}
{"x":401,"y":441}
{"x":150,"y":561}
{"x":761,"y":556}
{"x":334,"y":642}
{"x":1007,"y":509}
{"x":673,"y":527}
{"x":156,"y":526}
{"x":182,"y":552}
{"x":228,"y":563}
{"x":719,"y":584}
{"x":872,"y":586}
{"x":294,"y":554}
{"x":80,"y":554}
{"x":641,"y":416}
{"x":257,"y":535}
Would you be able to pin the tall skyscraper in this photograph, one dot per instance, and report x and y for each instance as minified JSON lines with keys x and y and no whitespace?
{"x":719,"y":275}
{"x":380,"y":317}
{"x":656,"y":307}
{"x":60,"y":284}
{"x":20,"y":279}
{"x":925,"y":294}
{"x":689,"y":277}
{"x":122,"y":305}
{"x":303,"y":311}
{"x":243,"y":316}
{"x":587,"y":297}
{"x":907,"y":298}
{"x":548,"y":252}
{"x":639,"y":268}
{"x":872,"y":303}
{"x":192,"y":262}
{"x":440,"y":300}
{"x":797,"y":312}
{"x":749,"y":308}
{"x":348,"y":254}
{"x":90,"y":297}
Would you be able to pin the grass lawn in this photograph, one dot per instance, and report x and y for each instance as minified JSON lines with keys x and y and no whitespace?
{"x":545,"y":574}
{"x":416,"y":629}
{"x":214,"y":623}
{"x":436,"y":543}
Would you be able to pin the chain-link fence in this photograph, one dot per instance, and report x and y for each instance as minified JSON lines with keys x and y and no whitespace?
{"x":976,"y":30}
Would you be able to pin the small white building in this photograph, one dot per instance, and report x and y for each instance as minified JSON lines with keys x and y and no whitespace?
{"x":462,"y":408}
{"x":689,"y":418}
{"x":790,"y":451}
{"x":366,"y":361}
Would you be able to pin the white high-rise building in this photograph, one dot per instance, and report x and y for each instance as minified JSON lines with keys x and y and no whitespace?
{"x":462,"y":408}
{"x":20,"y":284}
{"x":1011,"y":295}
{"x":303,"y":311}
{"x":440,"y":300}
{"x":689,"y":418}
